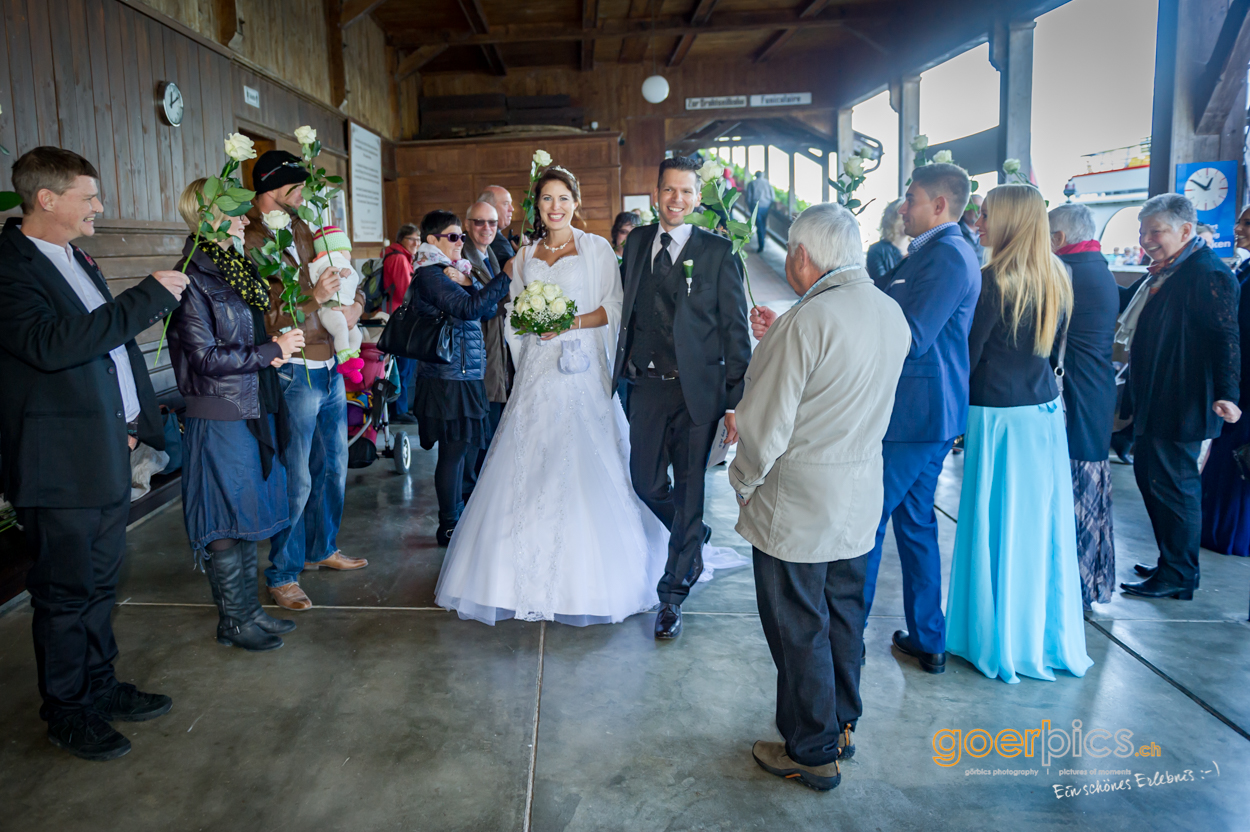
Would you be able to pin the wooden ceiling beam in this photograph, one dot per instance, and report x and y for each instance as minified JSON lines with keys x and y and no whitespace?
{"x":334,"y":53}
{"x":664,"y":27}
{"x":774,"y":44}
{"x":356,"y":10}
{"x":419,"y":58}
{"x":700,"y":17}
{"x":479,"y":25}
{"x":634,"y":49}
{"x":590,"y":20}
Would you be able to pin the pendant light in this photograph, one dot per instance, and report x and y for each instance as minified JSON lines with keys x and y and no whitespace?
{"x":655,"y":88}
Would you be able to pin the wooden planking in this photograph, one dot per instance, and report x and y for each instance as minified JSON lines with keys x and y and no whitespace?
{"x":43,"y":79}
{"x":113,"y":85}
{"x":194,"y":164}
{"x":102,"y":103}
{"x":128,"y":23}
{"x":177,"y":163}
{"x":369,"y":82}
{"x":147,"y":114}
{"x":17,"y":42}
{"x":8,"y":136}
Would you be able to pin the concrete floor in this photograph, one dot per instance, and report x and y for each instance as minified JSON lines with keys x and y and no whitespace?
{"x":381,"y":713}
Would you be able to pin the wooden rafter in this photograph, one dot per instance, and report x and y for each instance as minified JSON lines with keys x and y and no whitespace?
{"x":633,"y":49}
{"x":356,"y":10}
{"x":782,"y":37}
{"x":590,"y":20}
{"x":334,"y":53}
{"x":700,"y":17}
{"x":423,"y":55}
{"x":476,"y":15}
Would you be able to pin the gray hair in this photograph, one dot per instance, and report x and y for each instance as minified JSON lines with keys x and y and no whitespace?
{"x":1075,"y":221}
{"x":489,"y":196}
{"x":830,"y":233}
{"x":1174,"y":209}
{"x":493,"y":206}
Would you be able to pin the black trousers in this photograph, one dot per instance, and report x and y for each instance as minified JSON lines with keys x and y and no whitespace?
{"x":73,"y":586}
{"x":813,"y":617}
{"x":1171,"y":487}
{"x":661,"y":433}
{"x":472,"y":468}
{"x":453,"y":459}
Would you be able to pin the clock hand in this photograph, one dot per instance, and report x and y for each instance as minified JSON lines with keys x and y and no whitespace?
{"x":1205,"y":187}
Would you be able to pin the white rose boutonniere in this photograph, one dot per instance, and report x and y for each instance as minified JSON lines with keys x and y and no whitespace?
{"x":688,"y":267}
{"x":239,"y":147}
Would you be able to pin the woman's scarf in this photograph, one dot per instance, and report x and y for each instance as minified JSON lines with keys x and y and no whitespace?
{"x":428,"y":255}
{"x":1080,"y":248}
{"x":240,"y":273}
{"x":1158,"y":273}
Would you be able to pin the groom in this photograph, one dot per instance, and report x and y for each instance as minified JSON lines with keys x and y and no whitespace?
{"x":685,"y":345}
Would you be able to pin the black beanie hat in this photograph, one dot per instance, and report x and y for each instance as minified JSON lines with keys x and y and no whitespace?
{"x":277,"y":169}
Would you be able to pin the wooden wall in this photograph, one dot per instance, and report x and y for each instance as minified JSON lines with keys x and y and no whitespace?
{"x":83,"y":75}
{"x":451,"y":174}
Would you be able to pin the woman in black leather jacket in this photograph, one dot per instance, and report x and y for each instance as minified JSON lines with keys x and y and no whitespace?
{"x":449,"y":400}
{"x":234,"y":490}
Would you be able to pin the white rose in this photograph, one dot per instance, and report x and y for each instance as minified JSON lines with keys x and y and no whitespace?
{"x":305,"y":135}
{"x":559,"y":306}
{"x":551,"y":292}
{"x":920,"y":143}
{"x":276,"y":220}
{"x":239,"y":147}
{"x":689,"y":264}
{"x":711,"y":170}
{"x":522,"y":306}
{"x":542,"y":158}
{"x":535,"y":288}
{"x":1011,"y":166}
{"x":864,"y":153}
{"x":943,"y":157}
{"x":537,"y":303}
{"x":853,"y":166}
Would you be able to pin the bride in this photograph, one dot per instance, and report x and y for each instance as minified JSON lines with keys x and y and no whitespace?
{"x":554,"y":530}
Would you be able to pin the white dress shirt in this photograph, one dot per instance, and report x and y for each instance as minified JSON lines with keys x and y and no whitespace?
{"x":681,"y":234}
{"x":63,"y":258}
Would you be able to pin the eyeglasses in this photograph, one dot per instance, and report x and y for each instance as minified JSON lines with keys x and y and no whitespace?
{"x":484,"y":223}
{"x":453,"y":238}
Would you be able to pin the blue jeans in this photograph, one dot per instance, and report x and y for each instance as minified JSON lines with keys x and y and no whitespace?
{"x":761,"y":222}
{"x":407,"y":368}
{"x":316,"y":465}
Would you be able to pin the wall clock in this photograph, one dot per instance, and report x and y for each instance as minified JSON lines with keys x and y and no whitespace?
{"x":1206,"y":188}
{"x":172,"y":106}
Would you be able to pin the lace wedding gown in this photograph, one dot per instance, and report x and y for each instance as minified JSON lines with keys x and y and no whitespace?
{"x":554,"y":529}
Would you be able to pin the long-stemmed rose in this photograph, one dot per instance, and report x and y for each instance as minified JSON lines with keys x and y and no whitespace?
{"x":269,"y":262}
{"x":718,"y":196}
{"x":540,"y":161}
{"x":319,"y":189}
{"x":221,"y":194}
{"x":851,"y":178}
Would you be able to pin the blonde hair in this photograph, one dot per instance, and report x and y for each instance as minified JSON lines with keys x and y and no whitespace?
{"x":1030,"y":278}
{"x":189,"y":206}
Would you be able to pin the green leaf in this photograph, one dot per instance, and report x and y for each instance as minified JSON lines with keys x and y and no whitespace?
{"x":205,"y":227}
{"x":224,"y":227}
{"x":239,"y":211}
{"x":211,"y":189}
{"x":306,"y":214}
{"x":240,"y":194}
{"x":730,"y":199}
{"x":225,"y":203}
{"x":10,"y":199}
{"x":852,"y":203}
{"x":738,"y":228}
{"x":299,"y":316}
{"x":335,"y":180}
{"x":975,"y":185}
{"x":316,"y":148}
{"x":284,"y":239}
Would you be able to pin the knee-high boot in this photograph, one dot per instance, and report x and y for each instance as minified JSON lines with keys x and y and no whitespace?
{"x":262,"y":619}
{"x":235,"y":626}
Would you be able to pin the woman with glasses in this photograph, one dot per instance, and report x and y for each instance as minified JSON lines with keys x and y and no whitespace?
{"x":449,"y":400}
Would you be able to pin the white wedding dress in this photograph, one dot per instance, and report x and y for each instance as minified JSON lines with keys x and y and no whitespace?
{"x":554,"y":530}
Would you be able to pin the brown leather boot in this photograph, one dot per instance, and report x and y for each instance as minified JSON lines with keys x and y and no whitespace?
{"x":338,"y":562}
{"x":290,"y":597}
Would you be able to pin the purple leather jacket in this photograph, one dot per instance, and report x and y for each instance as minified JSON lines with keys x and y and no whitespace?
{"x":212,"y":346}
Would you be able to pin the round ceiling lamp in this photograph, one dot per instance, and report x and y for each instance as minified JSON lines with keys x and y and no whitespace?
{"x":655,"y":89}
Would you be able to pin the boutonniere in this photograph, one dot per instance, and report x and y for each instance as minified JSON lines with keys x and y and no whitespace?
{"x":86,"y":257}
{"x":688,"y":266}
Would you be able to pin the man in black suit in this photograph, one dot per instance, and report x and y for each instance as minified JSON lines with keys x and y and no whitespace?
{"x":685,"y":343}
{"x":77,"y":400}
{"x":497,"y":197}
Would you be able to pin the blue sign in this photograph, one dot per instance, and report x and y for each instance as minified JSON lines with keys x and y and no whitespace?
{"x":1212,"y":188}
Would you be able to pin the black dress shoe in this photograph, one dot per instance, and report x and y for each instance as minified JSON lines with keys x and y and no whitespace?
{"x":668,"y":622}
{"x":929,"y":662}
{"x":1144,"y":570}
{"x":1154,"y":588}
{"x":84,"y":734}
{"x":443,"y":536}
{"x":126,"y":703}
{"x":404,"y":419}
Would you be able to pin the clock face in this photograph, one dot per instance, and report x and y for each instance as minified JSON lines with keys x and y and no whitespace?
{"x":1206,"y":188}
{"x":172,"y":105}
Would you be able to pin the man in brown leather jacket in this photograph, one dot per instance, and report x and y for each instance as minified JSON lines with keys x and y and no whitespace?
{"x":316,"y":454}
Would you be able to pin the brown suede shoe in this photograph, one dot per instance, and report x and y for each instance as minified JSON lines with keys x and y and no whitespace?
{"x":290,"y":597}
{"x":772,"y":757}
{"x":338,"y":562}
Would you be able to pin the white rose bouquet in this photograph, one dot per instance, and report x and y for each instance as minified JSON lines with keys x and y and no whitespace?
{"x":542,"y":308}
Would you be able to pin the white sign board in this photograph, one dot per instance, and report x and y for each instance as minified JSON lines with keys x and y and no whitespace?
{"x":716,"y":102}
{"x":366,"y":186}
{"x":781,"y":99}
{"x":251,"y":96}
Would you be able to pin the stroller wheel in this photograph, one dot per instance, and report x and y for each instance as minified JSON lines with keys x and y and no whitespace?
{"x":402,"y":453}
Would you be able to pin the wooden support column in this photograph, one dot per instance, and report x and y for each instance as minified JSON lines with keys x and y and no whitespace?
{"x":905,"y":100}
{"x":334,"y":53}
{"x":228,"y":32}
{"x":1011,"y":53}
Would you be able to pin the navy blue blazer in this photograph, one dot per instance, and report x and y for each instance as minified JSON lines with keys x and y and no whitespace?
{"x":1089,"y":378}
{"x":938,"y":288}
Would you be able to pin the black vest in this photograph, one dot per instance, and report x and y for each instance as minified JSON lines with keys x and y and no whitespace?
{"x":654,"y":311}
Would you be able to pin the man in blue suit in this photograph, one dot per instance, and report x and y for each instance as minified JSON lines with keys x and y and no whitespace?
{"x":937,"y":286}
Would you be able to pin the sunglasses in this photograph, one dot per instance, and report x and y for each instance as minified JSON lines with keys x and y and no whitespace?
{"x":452,"y":238}
{"x":484,"y":223}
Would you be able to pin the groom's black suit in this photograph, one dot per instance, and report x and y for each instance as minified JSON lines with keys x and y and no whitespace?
{"x":698,"y":339}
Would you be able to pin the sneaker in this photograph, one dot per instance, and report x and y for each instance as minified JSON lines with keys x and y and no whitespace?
{"x":84,"y":734}
{"x":126,"y":703}
{"x":772,"y":757}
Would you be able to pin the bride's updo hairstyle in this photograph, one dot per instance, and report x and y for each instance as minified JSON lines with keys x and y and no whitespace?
{"x":568,"y":180}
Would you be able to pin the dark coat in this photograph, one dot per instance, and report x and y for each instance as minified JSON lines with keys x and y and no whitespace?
{"x":1186,"y":353}
{"x":1089,"y":378}
{"x":62,"y":423}
{"x":502,"y":248}
{"x":499,"y":368}
{"x":711,"y":334}
{"x":212,"y":346}
{"x":468,"y":306}
{"x":938,"y":288}
{"x":883,"y":256}
{"x":1006,"y":372}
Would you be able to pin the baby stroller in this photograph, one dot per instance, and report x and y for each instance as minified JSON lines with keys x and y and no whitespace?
{"x":368,"y":427}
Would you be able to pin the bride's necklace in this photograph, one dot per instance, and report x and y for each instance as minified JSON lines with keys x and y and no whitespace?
{"x":560,"y":247}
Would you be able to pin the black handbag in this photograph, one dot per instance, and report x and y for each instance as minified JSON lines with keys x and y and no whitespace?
{"x":409,"y":334}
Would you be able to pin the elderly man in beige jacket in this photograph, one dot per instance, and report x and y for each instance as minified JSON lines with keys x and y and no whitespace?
{"x":819,"y":393}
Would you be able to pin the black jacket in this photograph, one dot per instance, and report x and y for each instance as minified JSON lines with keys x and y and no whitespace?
{"x":1005,"y":372}
{"x":503,"y":249}
{"x":1089,"y":378}
{"x":62,"y":426}
{"x":883,"y":257}
{"x":1186,"y":353}
{"x":468,"y":306}
{"x":712,"y":337}
{"x":212,"y":346}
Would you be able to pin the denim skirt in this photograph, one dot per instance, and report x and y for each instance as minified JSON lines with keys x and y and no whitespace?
{"x":223,"y":493}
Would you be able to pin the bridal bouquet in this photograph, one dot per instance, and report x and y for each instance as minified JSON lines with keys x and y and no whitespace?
{"x":542,"y":308}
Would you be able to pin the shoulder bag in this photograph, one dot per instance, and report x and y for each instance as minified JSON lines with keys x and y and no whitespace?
{"x":409,"y":334}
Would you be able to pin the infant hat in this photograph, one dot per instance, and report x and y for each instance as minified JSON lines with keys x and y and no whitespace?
{"x":331,"y":238}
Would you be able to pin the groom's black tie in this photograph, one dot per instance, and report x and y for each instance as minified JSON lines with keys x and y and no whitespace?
{"x":664,"y":260}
